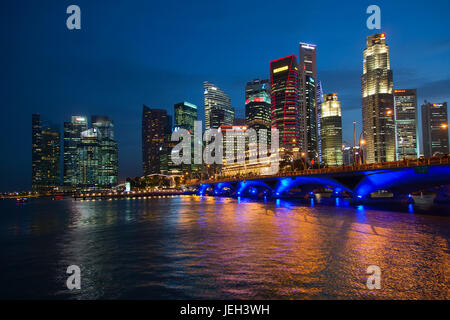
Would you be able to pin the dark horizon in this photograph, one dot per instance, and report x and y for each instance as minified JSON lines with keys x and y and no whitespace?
{"x":139,"y":53}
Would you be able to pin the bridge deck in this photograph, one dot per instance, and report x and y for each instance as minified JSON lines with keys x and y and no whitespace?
{"x":404,"y":164}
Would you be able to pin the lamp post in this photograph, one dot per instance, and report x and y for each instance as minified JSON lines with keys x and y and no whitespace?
{"x":362,"y":142}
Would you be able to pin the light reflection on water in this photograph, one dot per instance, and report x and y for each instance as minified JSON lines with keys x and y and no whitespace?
{"x":204,"y":247}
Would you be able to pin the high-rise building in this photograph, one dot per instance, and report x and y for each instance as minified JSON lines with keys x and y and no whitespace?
{"x":378,"y":101}
{"x":185,"y":115}
{"x":319,"y":101}
{"x":308,"y":103}
{"x":88,"y":160}
{"x":434,"y":129}
{"x":156,"y":128}
{"x":285,"y":111}
{"x":331,"y":130}
{"x":45,"y":155}
{"x":96,"y":161}
{"x":407,"y":142}
{"x":72,"y":137}
{"x":257,"y":105}
{"x":218,"y":109}
{"x":108,"y":170}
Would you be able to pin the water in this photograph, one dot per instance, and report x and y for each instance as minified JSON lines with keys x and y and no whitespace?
{"x":205,"y":248}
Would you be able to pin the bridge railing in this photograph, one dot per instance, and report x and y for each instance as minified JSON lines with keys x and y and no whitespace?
{"x":407,"y":163}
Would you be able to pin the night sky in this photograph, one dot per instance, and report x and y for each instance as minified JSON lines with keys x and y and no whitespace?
{"x":158,"y":53}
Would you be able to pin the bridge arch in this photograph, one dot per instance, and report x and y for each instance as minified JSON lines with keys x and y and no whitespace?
{"x":286,"y":184}
{"x":402,"y":180}
{"x":253,"y":187}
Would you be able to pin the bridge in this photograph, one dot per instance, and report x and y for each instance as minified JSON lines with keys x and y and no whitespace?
{"x":358,"y":181}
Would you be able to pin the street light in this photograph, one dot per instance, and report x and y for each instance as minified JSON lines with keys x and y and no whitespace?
{"x":444,"y":126}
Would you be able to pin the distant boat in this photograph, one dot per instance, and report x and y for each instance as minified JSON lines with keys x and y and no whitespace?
{"x":21,"y":200}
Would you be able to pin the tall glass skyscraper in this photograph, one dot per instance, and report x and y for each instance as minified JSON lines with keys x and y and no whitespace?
{"x":72,"y":137}
{"x":156,"y":129}
{"x":378,"y":101}
{"x":218,"y":109}
{"x":96,"y":160}
{"x":434,"y":129}
{"x":331,"y":130}
{"x":319,"y":101}
{"x":45,"y":155}
{"x":185,"y":117}
{"x":406,"y":124}
{"x":308,"y":103}
{"x":108,"y":170}
{"x":88,"y":161}
{"x":285,"y":111}
{"x":257,"y":105}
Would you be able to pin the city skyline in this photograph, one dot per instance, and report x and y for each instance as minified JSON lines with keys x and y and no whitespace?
{"x":128,"y":127}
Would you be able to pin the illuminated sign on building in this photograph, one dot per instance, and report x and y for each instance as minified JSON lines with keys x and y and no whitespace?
{"x":284,"y":68}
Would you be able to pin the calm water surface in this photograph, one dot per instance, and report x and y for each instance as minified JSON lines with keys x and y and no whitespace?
{"x":201,"y":247}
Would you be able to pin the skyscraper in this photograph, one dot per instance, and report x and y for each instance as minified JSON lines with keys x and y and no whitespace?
{"x":257,"y":105}
{"x":218,"y":109}
{"x":319,"y":101}
{"x":156,"y":127}
{"x":88,"y":160}
{"x":308,"y":107}
{"x":45,"y":155}
{"x":434,"y":129}
{"x":331,"y":130}
{"x":185,"y":115}
{"x":378,"y":101}
{"x":405,"y":101}
{"x":108,"y":170}
{"x":72,"y":137}
{"x":285,"y":112}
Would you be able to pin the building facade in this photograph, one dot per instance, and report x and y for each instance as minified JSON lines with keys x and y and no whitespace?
{"x":331,"y":130}
{"x":257,"y":106}
{"x":285,"y":99}
{"x":406,"y":131}
{"x":185,"y":115}
{"x":378,"y":101}
{"x":434,"y":129}
{"x":45,"y":155}
{"x":156,"y":128}
{"x":218,"y":109}
{"x":108,"y":171}
{"x":72,"y":137}
{"x":308,"y":103}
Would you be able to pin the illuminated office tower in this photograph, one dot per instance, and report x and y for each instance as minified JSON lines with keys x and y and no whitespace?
{"x":218,"y":110}
{"x":72,"y":137}
{"x":319,"y":101}
{"x":378,"y":101}
{"x":185,"y":116}
{"x":285,"y":112}
{"x":308,"y":105}
{"x":88,"y":161}
{"x":108,"y":169}
{"x":434,"y":129}
{"x":257,"y":106}
{"x":45,"y":155}
{"x":156,"y":127}
{"x":331,"y":130}
{"x":407,"y":142}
